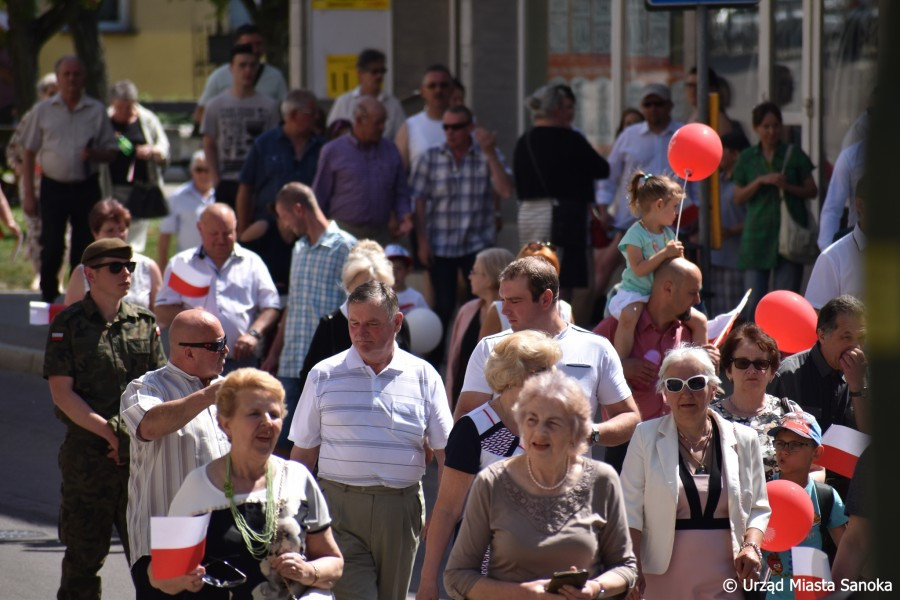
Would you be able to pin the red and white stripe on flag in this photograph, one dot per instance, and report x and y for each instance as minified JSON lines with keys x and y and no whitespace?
{"x":811,"y":570}
{"x":43,"y":313}
{"x":843,"y":447}
{"x":177,"y":544}
{"x":188,"y":281}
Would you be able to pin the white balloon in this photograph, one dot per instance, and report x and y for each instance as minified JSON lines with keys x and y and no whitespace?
{"x":425,"y":330}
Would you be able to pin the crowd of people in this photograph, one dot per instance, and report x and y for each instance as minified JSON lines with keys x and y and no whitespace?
{"x":287,"y":404}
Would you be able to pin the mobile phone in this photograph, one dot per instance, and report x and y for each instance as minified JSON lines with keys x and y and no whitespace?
{"x":576,"y":579}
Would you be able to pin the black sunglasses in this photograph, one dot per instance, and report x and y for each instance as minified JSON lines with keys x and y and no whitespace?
{"x":116,"y":267}
{"x":218,"y":346}
{"x":791,"y":446}
{"x":438,"y":84}
{"x":456,"y":126}
{"x":744,"y":363}
{"x":654,"y":103}
{"x":378,"y":71}
{"x":222,"y":574}
{"x":695,"y":383}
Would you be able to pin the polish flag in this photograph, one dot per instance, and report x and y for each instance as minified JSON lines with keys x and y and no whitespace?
{"x":843,"y":447}
{"x":177,"y":544}
{"x":720,"y":326}
{"x":812,"y":575}
{"x":43,"y":313}
{"x":188,"y":281}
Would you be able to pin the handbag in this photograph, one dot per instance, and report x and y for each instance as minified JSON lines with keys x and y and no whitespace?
{"x":797,"y":243}
{"x":146,"y":202}
{"x":569,"y":216}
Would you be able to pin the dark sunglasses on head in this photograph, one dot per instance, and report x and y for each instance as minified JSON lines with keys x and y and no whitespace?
{"x":536,"y":246}
{"x":695,"y":383}
{"x":455,"y":126}
{"x":116,"y":267}
{"x":744,"y":363}
{"x":438,"y":84}
{"x":217,"y":346}
{"x":654,"y":103}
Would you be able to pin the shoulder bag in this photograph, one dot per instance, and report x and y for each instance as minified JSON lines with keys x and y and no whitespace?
{"x":796,"y":243}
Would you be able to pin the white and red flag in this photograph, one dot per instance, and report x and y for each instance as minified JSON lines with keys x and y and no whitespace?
{"x":177,"y":544}
{"x":720,"y":326}
{"x":43,"y":313}
{"x":812,"y":575}
{"x":843,"y":447}
{"x":188,"y":281}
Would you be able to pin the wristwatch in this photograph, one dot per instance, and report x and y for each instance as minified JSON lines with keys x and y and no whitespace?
{"x":595,"y":436}
{"x":860,"y":394}
{"x":255,"y":334}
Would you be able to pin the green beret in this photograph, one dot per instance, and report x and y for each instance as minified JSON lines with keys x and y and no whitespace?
{"x":106,"y":248}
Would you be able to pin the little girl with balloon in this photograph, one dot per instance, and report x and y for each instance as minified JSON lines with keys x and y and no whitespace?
{"x":654,"y":199}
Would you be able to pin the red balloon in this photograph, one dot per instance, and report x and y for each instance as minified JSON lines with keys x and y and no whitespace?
{"x":695,"y":151}
{"x":792,"y":516}
{"x":789,"y":318}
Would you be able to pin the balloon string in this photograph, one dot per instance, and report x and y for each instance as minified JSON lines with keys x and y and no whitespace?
{"x":687,"y":173}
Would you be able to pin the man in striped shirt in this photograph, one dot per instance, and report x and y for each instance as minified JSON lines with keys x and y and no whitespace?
{"x":171,"y":417}
{"x":365,"y":414}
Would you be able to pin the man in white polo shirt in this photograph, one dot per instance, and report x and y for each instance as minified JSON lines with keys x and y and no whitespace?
{"x":365,"y":414}
{"x":529,"y":288}
{"x":171,"y":418}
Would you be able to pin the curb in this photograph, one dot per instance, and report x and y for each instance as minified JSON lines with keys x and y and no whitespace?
{"x":22,"y":360}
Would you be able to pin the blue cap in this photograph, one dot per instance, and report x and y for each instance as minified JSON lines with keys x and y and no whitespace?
{"x":801,"y":423}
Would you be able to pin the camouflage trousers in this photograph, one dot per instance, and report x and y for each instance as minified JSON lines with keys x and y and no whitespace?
{"x":94,"y":499}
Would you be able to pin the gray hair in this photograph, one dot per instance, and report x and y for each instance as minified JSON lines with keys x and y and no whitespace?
{"x":841,"y":305}
{"x":546,"y":99}
{"x":123,"y":90}
{"x":556,"y":386}
{"x":683,"y":352}
{"x":378,"y":293}
{"x":45,"y":83}
{"x":297,"y":100}
{"x":196,"y":157}
{"x":367,"y":256}
{"x":493,"y":261}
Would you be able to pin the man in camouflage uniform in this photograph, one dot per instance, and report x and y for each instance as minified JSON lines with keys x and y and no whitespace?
{"x":95,"y":348}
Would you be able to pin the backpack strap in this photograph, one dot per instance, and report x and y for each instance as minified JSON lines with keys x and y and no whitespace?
{"x":826,"y":503}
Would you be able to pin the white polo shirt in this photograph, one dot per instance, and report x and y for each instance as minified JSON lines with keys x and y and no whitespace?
{"x":838,"y":270}
{"x":371,"y":427}
{"x":587,"y":357}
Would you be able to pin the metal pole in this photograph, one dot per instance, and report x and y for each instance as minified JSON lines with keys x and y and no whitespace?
{"x":703,"y":116}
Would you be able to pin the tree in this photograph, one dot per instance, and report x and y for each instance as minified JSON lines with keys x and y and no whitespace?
{"x":84,"y":25}
{"x":272,"y":18}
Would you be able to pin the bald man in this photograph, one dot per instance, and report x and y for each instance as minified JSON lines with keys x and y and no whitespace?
{"x":171,"y":417}
{"x":227,"y":280}
{"x":676,"y":288}
{"x":360,"y":181}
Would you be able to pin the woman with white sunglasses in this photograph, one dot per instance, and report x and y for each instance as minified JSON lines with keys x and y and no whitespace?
{"x":695,"y":490}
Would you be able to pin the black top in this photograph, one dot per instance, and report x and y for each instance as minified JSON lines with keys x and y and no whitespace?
{"x":470,"y":450}
{"x":467,"y":345}
{"x":275,"y":252}
{"x":820,"y":390}
{"x":568,"y":165}
{"x":859,"y":502}
{"x":120,"y":167}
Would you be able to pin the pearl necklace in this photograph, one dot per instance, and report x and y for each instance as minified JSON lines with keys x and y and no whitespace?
{"x":542,"y":486}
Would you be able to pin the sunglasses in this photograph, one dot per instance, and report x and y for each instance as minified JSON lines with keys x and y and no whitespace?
{"x":456,"y":126}
{"x":201,"y":170}
{"x":537,"y":246}
{"x":218,"y":346}
{"x":654,"y":104}
{"x":789,"y":447}
{"x":695,"y":383}
{"x":744,"y":363}
{"x":437,"y":84}
{"x":222,"y":574}
{"x":116,"y":267}
{"x":378,"y":71}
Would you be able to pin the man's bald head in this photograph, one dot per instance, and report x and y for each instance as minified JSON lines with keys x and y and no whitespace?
{"x":217,"y":227}
{"x":196,"y":326}
{"x":219,"y":211}
{"x":676,"y":270}
{"x":192,"y":325}
{"x":676,"y":288}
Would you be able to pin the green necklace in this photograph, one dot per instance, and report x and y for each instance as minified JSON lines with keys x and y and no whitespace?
{"x":257,"y":543}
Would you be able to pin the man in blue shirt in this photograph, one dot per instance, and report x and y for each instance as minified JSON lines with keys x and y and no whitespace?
{"x":289,"y":152}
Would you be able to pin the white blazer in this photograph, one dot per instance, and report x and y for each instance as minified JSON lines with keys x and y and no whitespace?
{"x":650,"y":486}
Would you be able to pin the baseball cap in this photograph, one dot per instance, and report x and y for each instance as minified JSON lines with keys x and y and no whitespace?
{"x":656,"y":89}
{"x":106,"y":248}
{"x":801,"y":423}
{"x":398,"y":251}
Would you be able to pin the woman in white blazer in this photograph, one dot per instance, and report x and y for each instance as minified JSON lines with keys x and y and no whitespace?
{"x":695,"y":490}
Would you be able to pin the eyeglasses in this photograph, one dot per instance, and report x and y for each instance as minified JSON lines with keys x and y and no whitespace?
{"x":789,"y":447}
{"x":456,"y":126}
{"x":222,"y":574}
{"x":116,"y":267}
{"x":537,"y":246}
{"x":654,"y":104}
{"x":218,"y":346}
{"x":377,"y":71}
{"x":744,"y":363}
{"x":695,"y":383}
{"x":438,"y":84}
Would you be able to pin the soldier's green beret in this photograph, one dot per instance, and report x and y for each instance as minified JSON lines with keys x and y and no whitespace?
{"x":106,"y":248}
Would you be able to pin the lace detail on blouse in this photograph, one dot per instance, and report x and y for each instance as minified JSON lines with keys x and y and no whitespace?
{"x":548,"y":514}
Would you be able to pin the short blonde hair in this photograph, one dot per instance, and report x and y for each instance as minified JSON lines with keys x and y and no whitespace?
{"x":556,"y":386}
{"x":519,"y":356}
{"x":493,"y":261}
{"x":247,"y":378}
{"x":367,"y":256}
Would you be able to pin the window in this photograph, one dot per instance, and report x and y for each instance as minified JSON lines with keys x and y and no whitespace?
{"x":115,"y":15}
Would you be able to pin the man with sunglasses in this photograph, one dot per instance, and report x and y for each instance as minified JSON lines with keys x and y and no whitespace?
{"x":457,"y":188}
{"x":95,"y":347}
{"x":171,"y":417}
{"x":424,"y":129}
{"x":371,"y":67}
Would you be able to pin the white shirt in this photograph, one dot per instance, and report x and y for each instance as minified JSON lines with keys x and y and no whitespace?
{"x":838,"y":270}
{"x":370,"y":428}
{"x":345,"y":104}
{"x":271,"y":83}
{"x":848,"y":170}
{"x":409,"y":299}
{"x":588,"y":358}
{"x":423,"y":132}
{"x":185,"y":206}
{"x":238,"y":292}
{"x":159,"y":467}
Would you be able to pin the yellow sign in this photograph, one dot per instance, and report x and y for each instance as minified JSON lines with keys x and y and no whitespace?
{"x":340,"y":74}
{"x":351,"y":4}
